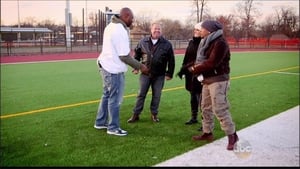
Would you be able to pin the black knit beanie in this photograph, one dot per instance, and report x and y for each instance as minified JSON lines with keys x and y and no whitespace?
{"x":211,"y":25}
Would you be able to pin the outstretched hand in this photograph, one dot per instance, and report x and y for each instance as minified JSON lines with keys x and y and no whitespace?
{"x":144,"y":69}
{"x":168,"y":78}
{"x":135,"y":71}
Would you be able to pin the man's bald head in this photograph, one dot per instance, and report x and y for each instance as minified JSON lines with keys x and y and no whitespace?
{"x":126,"y":16}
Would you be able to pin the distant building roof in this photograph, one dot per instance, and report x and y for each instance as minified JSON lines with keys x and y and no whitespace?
{"x":15,"y":30}
{"x":279,"y":36}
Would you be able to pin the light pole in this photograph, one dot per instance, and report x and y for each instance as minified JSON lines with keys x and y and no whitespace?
{"x":19,"y":26}
{"x":68,"y":22}
{"x":86,"y":18}
{"x":86,"y":23}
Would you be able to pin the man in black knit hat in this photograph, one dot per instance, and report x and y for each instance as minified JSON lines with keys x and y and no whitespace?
{"x":212,"y":68}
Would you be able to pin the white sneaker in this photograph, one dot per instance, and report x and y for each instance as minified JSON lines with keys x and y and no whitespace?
{"x":100,"y":127}
{"x":123,"y":131}
{"x":118,"y":132}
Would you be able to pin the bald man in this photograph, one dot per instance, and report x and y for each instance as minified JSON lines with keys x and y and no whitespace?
{"x":112,"y":63}
{"x":126,"y":16}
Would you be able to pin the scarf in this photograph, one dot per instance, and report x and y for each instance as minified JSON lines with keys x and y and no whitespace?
{"x":204,"y":43}
{"x":116,"y":19}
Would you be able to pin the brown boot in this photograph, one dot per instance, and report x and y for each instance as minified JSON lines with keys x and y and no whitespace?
{"x":232,"y":139}
{"x":133,"y":118}
{"x":205,"y":137}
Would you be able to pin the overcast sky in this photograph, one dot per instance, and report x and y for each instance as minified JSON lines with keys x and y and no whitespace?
{"x":178,"y":9}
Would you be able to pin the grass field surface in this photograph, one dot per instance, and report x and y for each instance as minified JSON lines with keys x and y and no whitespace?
{"x":48,"y":111}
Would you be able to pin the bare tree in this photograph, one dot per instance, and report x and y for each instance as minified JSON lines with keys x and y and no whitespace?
{"x":236,"y":30}
{"x":287,"y":22}
{"x":267,"y":29}
{"x":188,"y":29}
{"x":143,"y":20}
{"x":170,"y":29}
{"x":199,"y":5}
{"x":29,"y":22}
{"x":92,"y":19}
{"x":47,"y":23}
{"x":248,"y":12}
{"x":226,"y":21}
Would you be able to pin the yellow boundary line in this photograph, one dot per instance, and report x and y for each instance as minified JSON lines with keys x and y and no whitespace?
{"x":131,"y":95}
{"x":263,"y":73}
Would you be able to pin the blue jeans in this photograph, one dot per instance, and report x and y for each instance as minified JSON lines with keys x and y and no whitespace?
{"x":109,"y":107}
{"x":157,"y":84}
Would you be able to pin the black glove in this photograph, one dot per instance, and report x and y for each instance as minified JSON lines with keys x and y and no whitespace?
{"x":179,"y":74}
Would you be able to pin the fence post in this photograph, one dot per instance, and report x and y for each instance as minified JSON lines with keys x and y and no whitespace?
{"x":8,"y":45}
{"x":41,"y":46}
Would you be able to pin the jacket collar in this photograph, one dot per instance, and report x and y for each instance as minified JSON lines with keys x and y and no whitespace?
{"x":116,"y":19}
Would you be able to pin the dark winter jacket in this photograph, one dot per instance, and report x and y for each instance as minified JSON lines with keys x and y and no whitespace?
{"x":159,"y":58}
{"x":216,"y":68}
{"x":191,"y":82}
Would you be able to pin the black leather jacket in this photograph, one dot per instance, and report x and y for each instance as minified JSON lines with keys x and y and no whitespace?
{"x":159,"y":58}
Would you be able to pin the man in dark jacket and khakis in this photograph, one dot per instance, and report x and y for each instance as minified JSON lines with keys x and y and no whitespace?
{"x":212,"y":67}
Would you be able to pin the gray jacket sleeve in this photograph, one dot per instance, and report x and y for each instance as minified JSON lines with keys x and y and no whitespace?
{"x":130,"y":61}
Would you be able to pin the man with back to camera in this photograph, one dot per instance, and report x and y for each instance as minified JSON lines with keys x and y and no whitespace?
{"x":112,"y":62}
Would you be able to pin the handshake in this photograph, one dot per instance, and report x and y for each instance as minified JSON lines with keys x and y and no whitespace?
{"x":143,"y":69}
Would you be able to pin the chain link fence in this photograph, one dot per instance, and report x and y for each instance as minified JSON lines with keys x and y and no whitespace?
{"x":41,"y":47}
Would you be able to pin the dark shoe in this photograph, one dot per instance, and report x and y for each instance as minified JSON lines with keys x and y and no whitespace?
{"x":133,"y":118}
{"x":200,"y":129}
{"x":154,"y":118}
{"x":232,"y":139}
{"x":205,"y":137}
{"x":192,"y":121}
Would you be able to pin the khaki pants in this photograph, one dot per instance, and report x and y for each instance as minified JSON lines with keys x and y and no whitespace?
{"x":215,"y":102}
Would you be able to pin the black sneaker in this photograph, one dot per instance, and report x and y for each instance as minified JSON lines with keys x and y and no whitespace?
{"x":192,"y":121}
